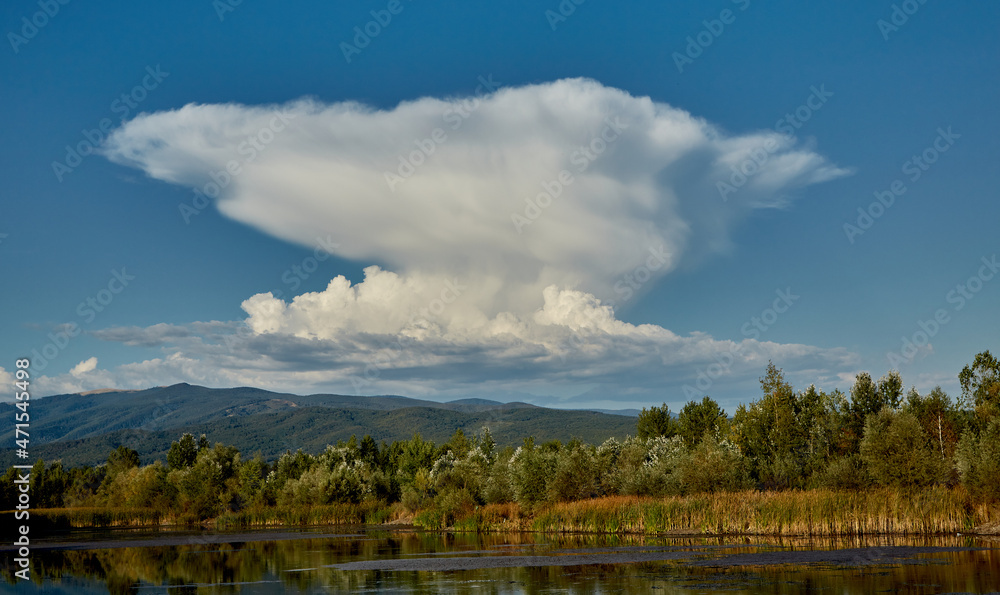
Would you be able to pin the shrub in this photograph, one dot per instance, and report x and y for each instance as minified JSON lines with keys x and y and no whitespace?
{"x":844,"y":473}
{"x":978,"y":461}
{"x":532,"y":469}
{"x":713,"y":466}
{"x":896,"y":450}
{"x":575,"y":476}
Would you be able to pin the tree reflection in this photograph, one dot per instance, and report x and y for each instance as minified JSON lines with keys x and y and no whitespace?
{"x":305,"y":565}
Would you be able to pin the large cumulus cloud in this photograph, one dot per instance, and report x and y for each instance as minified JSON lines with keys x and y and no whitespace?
{"x":505,"y":226}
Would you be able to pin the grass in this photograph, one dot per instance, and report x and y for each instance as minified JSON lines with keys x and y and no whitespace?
{"x":366,"y":513}
{"x":819,"y":512}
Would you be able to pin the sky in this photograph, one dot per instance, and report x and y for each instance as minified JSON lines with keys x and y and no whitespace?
{"x":577,"y":204}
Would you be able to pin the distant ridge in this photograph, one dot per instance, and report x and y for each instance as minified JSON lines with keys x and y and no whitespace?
{"x":82,"y":428}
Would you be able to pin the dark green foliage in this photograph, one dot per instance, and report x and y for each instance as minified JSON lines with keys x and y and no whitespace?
{"x":122,"y":458}
{"x":981,"y":385}
{"x":781,"y":431}
{"x":712,"y":466}
{"x":656,"y":421}
{"x":940,"y":418}
{"x":697,"y":419}
{"x":532,"y":469}
{"x":575,"y":476}
{"x":869,"y":398}
{"x":977,"y":458}
{"x":783,"y":440}
{"x":896,"y":450}
{"x":183,"y":453}
{"x":315,"y":427}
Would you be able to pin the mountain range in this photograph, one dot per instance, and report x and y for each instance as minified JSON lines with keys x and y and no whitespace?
{"x":83,"y":428}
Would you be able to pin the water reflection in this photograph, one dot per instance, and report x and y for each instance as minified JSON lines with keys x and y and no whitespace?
{"x":275,"y":563}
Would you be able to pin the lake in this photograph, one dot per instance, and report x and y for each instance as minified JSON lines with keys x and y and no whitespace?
{"x":404,"y":560}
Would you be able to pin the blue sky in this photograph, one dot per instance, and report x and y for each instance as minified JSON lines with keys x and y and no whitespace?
{"x":875,"y":96}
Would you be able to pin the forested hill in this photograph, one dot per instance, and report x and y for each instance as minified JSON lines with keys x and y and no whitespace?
{"x":83,"y":428}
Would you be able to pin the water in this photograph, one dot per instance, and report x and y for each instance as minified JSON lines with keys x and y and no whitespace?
{"x":313,"y":561}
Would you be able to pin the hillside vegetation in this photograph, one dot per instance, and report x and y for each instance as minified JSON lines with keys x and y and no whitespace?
{"x":790,"y":462}
{"x":82,"y":429}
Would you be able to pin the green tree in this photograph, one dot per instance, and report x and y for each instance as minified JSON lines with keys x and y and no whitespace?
{"x":121,"y":459}
{"x":890,"y":389}
{"x":182,"y":453}
{"x":252,"y":474}
{"x":896,"y":450}
{"x":696,"y":419}
{"x":981,"y":385}
{"x":575,"y":476}
{"x":488,"y":445}
{"x":773,"y":433}
{"x":368,"y":452}
{"x":656,"y":421}
{"x":532,"y":468}
{"x":713,"y":466}
{"x":412,"y":455}
{"x":939,"y":417}
{"x":458,"y":444}
{"x":977,"y":458}
{"x":869,"y":398}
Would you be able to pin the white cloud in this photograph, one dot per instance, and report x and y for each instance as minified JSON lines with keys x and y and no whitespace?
{"x":87,"y":365}
{"x":324,"y":174}
{"x":464,"y":300}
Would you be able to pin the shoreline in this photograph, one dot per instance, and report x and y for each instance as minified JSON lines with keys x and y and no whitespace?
{"x":816,"y":513}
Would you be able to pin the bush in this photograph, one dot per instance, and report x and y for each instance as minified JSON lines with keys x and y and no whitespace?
{"x":978,"y":461}
{"x":713,"y":466}
{"x":896,"y":451}
{"x":498,"y":486}
{"x":575,"y":476}
{"x":532,"y":469}
{"x":844,"y":473}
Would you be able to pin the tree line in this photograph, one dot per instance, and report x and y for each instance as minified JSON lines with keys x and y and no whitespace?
{"x":787,"y":439}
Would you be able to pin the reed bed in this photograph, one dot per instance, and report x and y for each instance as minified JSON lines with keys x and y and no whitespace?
{"x":819,"y":512}
{"x":366,"y":513}
{"x":97,"y":517}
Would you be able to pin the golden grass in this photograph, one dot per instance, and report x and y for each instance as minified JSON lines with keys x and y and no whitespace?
{"x":819,"y":512}
{"x":99,"y":517}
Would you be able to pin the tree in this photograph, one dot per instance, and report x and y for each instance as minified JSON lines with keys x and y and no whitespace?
{"x":978,"y":461}
{"x":697,"y":419}
{"x":896,"y":450}
{"x":890,"y":389}
{"x":413,"y":455}
{"x":488,"y":446}
{"x":656,"y":421}
{"x":773,"y":433}
{"x":938,"y":417}
{"x":183,"y":453}
{"x":865,"y":401}
{"x":458,"y":444}
{"x":121,"y":459}
{"x":369,"y":453}
{"x":981,"y":385}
